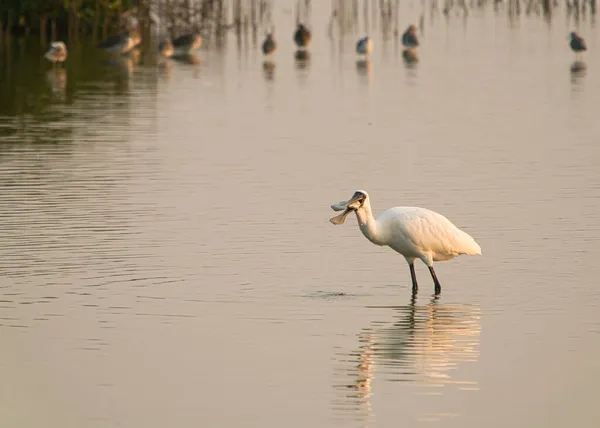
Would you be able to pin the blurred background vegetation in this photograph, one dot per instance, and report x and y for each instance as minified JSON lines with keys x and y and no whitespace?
{"x":69,"y":20}
{"x":62,"y":19}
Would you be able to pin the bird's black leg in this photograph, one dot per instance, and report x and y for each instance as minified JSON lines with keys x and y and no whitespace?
{"x":413,"y":298}
{"x":413,"y":276}
{"x":438,"y":287}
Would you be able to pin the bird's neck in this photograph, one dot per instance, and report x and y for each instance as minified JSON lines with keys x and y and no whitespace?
{"x":368,"y":225}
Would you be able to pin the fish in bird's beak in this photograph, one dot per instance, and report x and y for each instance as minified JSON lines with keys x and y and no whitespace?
{"x":347,"y":207}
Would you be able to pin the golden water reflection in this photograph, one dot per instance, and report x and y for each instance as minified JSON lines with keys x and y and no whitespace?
{"x":302,"y":58}
{"x":423,"y":344}
{"x":57,"y":81}
{"x":269,"y":69}
{"x":364,"y":66}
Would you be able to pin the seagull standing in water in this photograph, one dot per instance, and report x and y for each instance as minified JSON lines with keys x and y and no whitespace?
{"x":119,"y":44}
{"x":416,"y":233}
{"x":184,"y":45}
{"x":364,"y":46}
{"x":165,"y":48}
{"x":269,"y":46}
{"x":302,"y":36}
{"x":409,"y":38}
{"x":577,"y":43}
{"x":57,"y":52}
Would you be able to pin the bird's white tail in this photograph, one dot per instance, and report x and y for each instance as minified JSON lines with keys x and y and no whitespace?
{"x":470,"y":247}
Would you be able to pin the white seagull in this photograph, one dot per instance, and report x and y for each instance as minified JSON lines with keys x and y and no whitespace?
{"x":416,"y":233}
{"x":57,"y":52}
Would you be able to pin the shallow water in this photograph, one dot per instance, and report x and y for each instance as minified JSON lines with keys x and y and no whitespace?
{"x":166,"y":256}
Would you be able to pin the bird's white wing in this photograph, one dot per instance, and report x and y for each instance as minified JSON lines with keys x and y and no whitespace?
{"x":431,"y":232}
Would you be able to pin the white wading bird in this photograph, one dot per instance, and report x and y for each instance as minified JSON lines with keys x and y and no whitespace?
{"x":56,"y":53}
{"x":416,"y":233}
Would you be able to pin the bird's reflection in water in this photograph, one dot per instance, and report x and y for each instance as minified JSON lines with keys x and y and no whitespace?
{"x":411,"y":62}
{"x":432,"y":339}
{"x":423,"y":344}
{"x":578,"y":70}
{"x":57,"y":81}
{"x":411,"y":57}
{"x":269,"y":70}
{"x":364,"y":67}
{"x":164,"y":69}
{"x":302,"y":62}
{"x":187,"y":59}
{"x":302,"y":58}
{"x":357,"y":394}
{"x":125,"y":63}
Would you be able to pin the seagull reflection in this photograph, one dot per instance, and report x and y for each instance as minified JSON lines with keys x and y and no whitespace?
{"x":411,"y":57}
{"x":578,"y":71}
{"x":121,"y":68}
{"x":302,"y":58}
{"x":126,"y":63}
{"x":190,"y":58}
{"x":269,"y":70}
{"x":164,"y":69}
{"x":364,"y":66}
{"x":57,"y":80}
{"x":356,"y":392}
{"x":578,"y":67}
{"x":432,"y":339}
{"x":423,"y":344}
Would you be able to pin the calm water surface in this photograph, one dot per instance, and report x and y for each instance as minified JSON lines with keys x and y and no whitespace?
{"x":166,"y":257}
